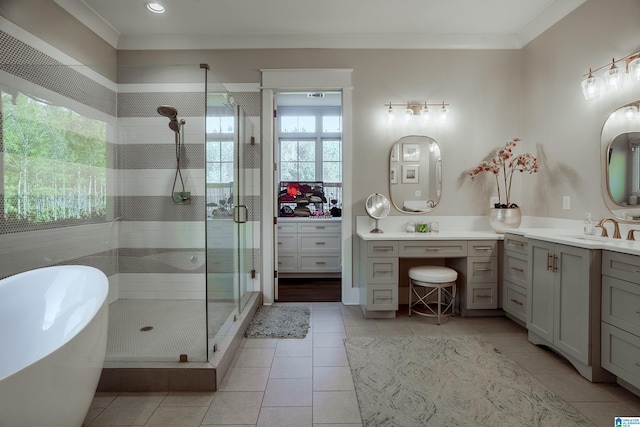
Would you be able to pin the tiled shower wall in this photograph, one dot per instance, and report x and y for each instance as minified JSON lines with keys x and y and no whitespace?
{"x":149,"y":247}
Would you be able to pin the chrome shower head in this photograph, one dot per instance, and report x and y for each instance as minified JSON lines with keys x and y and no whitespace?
{"x":172,"y":114}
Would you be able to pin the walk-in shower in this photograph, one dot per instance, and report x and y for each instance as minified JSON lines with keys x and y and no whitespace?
{"x":176,"y":125}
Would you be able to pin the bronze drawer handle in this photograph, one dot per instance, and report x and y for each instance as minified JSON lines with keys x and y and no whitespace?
{"x":518,"y":244}
{"x":483,"y":269}
{"x":320,"y":262}
{"x":383,"y":298}
{"x":383,"y":249}
{"x":483,"y":248}
{"x":320,"y":228}
{"x":432,"y":249}
{"x":519,"y":270}
{"x":484,"y":296}
{"x":515,"y":301}
{"x":637,"y":311}
{"x":382,"y":271}
{"x":319,"y":243}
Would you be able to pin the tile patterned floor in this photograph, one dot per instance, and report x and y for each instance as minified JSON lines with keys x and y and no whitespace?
{"x":307,"y":382}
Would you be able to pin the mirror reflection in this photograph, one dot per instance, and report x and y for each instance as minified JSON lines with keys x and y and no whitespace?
{"x":415,"y":174}
{"x":621,"y":144}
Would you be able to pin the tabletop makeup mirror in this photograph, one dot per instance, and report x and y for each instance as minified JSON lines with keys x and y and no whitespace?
{"x":377,"y":207}
{"x":415,"y":174}
{"x":620,"y":145}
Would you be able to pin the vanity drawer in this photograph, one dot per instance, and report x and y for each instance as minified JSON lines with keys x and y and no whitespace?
{"x":515,"y":243}
{"x":482,"y":248}
{"x":433,"y":249}
{"x":287,"y":227}
{"x":482,"y":269}
{"x":287,"y":242}
{"x":516,"y":268}
{"x":621,"y":354}
{"x":287,"y":263}
{"x":482,"y":296}
{"x":319,"y":263}
{"x":514,"y":300}
{"x":621,"y":304}
{"x":382,"y":297}
{"x":320,"y":227}
{"x":382,"y":270}
{"x":382,"y":249}
{"x":323,"y":243}
{"x":622,"y":266}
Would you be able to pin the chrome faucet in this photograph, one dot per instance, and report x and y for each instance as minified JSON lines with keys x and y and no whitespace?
{"x":616,"y":228}
{"x":630,"y":234}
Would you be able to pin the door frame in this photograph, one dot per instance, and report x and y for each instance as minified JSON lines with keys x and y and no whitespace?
{"x":283,"y":80}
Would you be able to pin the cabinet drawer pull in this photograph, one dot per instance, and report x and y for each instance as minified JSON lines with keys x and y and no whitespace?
{"x":320,"y":262}
{"x":519,"y":270}
{"x":319,"y":243}
{"x":637,"y":363}
{"x":515,"y":301}
{"x":549,"y":261}
{"x":377,"y":298}
{"x":483,"y":248}
{"x":518,"y":244}
{"x":319,"y":228}
{"x":383,"y":271}
{"x":483,"y":296}
{"x":637,"y":311}
{"x":432,"y":249}
{"x":483,"y":269}
{"x":279,"y":243}
{"x":383,"y":249}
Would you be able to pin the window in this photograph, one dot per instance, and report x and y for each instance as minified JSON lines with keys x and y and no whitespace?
{"x":310,"y":144}
{"x":219,"y":154}
{"x":54,"y":166}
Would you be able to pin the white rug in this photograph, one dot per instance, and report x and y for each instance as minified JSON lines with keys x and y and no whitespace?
{"x":277,"y":321}
{"x":449,"y":381}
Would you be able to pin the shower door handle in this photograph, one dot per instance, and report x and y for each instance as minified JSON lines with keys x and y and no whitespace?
{"x":236,"y":214}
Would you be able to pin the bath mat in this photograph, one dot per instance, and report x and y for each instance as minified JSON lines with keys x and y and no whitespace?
{"x":449,"y":381}
{"x":277,"y":321}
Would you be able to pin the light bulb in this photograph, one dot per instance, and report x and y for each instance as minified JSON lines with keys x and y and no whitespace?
{"x":444,"y":112}
{"x":612,"y":76}
{"x":630,"y":112}
{"x":391,"y":115}
{"x":634,"y":69}
{"x":591,"y":86}
{"x":407,"y":113}
{"x":425,"y":113}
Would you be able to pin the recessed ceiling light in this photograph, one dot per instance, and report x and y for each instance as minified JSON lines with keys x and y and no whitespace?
{"x":155,"y":7}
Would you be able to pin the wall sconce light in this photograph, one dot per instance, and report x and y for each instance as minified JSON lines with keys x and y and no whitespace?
{"x":415,"y":109}
{"x":613,"y":77}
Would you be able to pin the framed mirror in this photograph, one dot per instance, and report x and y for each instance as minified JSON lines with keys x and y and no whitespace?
{"x":620,"y":145}
{"x":415,"y":174}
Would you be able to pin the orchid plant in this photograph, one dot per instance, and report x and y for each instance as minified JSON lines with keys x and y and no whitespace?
{"x":503,"y":165}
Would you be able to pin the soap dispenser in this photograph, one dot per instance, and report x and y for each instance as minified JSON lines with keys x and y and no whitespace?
{"x":589,"y":225}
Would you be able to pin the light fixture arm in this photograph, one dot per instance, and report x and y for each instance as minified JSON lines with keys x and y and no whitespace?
{"x":627,"y":59}
{"x":416,"y":107}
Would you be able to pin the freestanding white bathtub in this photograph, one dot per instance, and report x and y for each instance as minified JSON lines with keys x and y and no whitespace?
{"x":53,"y":337}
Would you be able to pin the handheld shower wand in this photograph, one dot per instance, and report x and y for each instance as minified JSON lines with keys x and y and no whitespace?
{"x":172,"y":114}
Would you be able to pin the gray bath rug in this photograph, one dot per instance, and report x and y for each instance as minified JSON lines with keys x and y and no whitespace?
{"x":279,"y":321}
{"x":449,"y":381}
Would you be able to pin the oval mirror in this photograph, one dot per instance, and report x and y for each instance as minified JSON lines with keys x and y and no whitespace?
{"x":377,"y":207}
{"x":620,"y":143}
{"x":415,"y":174}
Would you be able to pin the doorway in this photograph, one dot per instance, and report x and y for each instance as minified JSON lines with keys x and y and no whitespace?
{"x":308,"y":195}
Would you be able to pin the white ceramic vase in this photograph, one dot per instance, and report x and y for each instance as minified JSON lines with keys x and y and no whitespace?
{"x":504,"y":219}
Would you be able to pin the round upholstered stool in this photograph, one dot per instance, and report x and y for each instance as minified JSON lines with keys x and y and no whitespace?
{"x":435,"y":289}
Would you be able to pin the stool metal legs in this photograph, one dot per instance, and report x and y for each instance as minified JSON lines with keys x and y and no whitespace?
{"x":446,"y":297}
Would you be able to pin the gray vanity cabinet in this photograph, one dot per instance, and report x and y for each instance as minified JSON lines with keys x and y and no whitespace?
{"x":564,"y":303}
{"x":620,"y":316}
{"x":516,"y":277}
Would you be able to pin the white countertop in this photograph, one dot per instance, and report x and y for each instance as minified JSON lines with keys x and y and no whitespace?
{"x":566,"y":233}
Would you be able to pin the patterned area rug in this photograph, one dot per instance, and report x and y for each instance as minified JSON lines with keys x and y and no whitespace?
{"x":276,"y":321}
{"x":449,"y":381}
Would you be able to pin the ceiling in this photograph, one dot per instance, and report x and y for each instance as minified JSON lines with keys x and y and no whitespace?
{"x":392,"y":24}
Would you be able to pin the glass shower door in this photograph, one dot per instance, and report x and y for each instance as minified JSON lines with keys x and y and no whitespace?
{"x":228,"y":231}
